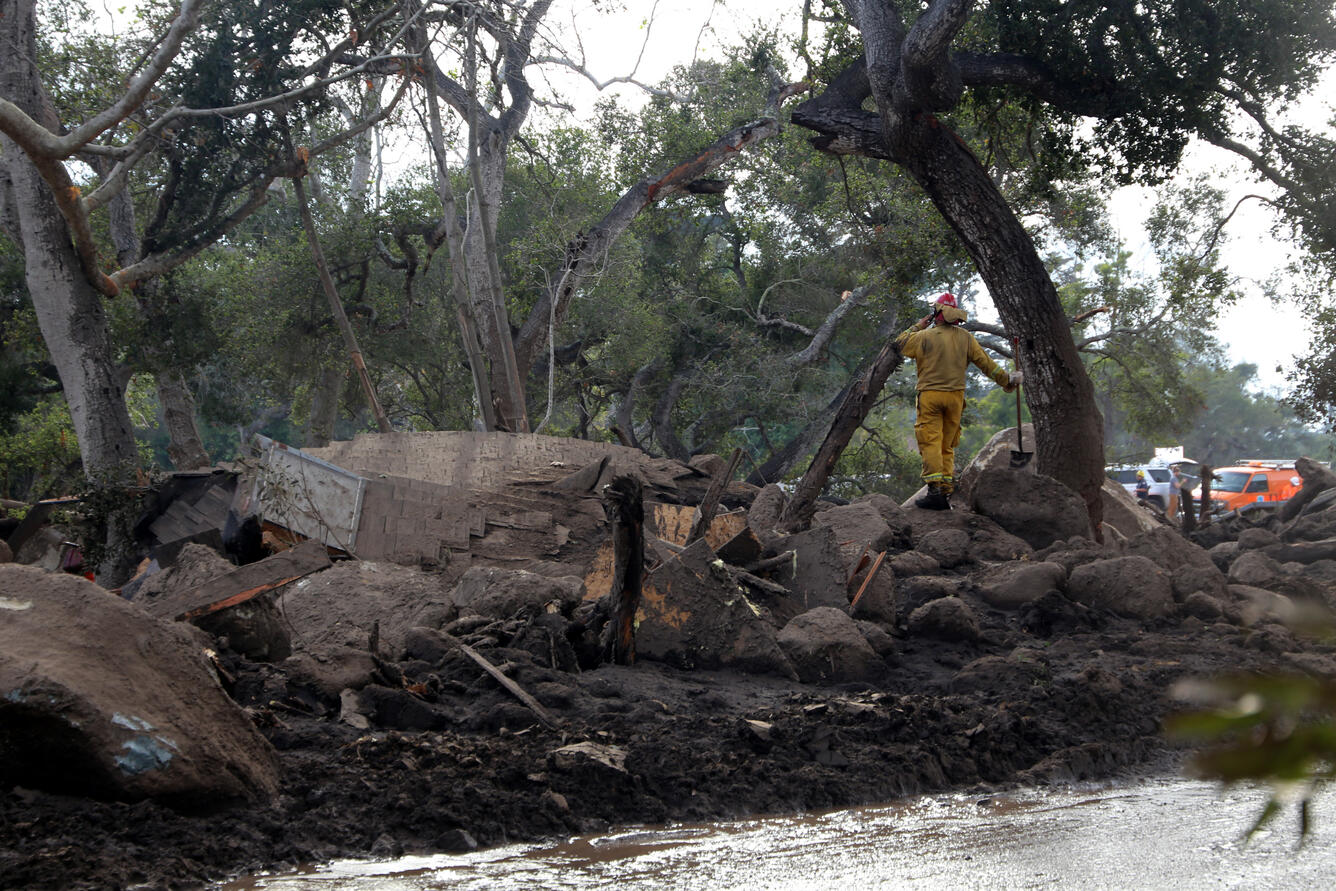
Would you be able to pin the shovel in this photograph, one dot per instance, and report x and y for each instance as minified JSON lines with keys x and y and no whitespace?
{"x":1019,"y":457}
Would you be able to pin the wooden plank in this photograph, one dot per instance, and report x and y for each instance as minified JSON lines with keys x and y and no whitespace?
{"x":867,"y":581}
{"x":242,"y":583}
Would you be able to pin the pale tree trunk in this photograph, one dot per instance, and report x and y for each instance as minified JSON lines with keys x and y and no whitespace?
{"x":69,"y":310}
{"x":185,"y":447}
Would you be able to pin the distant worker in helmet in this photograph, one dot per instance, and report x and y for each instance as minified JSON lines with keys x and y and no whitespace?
{"x":1143,"y":487}
{"x":942,"y":351}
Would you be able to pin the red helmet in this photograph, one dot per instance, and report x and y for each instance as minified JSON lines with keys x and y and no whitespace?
{"x":947,"y":300}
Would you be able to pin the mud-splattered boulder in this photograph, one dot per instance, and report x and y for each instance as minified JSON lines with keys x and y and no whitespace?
{"x":824,"y":644}
{"x":895,"y":517}
{"x":1203,"y":606}
{"x":914,"y":563}
{"x":1034,"y":507}
{"x":877,"y":637}
{"x":946,"y":618}
{"x":997,"y":674}
{"x":859,"y":523}
{"x":1074,"y":552}
{"x":877,"y":602}
{"x":1012,"y":585}
{"x":1123,"y":513}
{"x":1129,"y":586}
{"x":6,"y":555}
{"x":913,"y":592}
{"x":502,"y":593}
{"x":1223,"y":554}
{"x":99,"y":700}
{"x":1257,"y":538}
{"x":693,"y":615}
{"x":995,"y":455}
{"x":1167,"y":549}
{"x":326,"y":675}
{"x":1258,"y":605}
{"x":765,"y":511}
{"x":949,"y":547}
{"x":818,"y":575}
{"x":1207,"y":579}
{"x":1254,"y":568}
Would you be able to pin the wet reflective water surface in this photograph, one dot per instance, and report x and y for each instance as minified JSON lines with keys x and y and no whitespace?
{"x":1160,"y":833}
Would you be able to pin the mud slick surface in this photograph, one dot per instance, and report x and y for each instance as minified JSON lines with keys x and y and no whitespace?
{"x":390,"y":739}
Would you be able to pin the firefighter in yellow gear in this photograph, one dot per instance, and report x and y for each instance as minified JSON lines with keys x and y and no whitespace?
{"x":942,"y":351}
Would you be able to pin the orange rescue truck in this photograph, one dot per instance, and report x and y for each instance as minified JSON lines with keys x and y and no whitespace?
{"x":1251,"y":481}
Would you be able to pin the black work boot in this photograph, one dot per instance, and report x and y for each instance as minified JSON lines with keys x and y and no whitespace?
{"x":936,"y":499}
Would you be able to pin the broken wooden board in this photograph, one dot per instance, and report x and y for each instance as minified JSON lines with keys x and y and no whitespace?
{"x":242,"y":584}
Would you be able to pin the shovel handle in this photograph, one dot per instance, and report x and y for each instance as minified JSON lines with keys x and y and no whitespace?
{"x":1016,"y":354}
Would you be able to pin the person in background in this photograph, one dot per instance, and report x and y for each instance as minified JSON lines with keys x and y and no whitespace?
{"x":1143,"y":487}
{"x":1175,"y":489}
{"x":942,"y":352}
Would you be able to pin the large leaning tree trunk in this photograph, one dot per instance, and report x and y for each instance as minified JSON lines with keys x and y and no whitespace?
{"x":908,"y":74}
{"x":69,"y":309}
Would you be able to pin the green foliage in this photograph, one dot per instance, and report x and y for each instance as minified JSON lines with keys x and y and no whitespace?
{"x":1278,"y":729}
{"x":39,"y":454}
{"x":1237,"y":422}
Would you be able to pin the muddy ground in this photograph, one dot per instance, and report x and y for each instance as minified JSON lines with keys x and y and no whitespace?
{"x":1070,"y":694}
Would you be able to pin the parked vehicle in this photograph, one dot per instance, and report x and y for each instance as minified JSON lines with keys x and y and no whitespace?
{"x":1253,"y":481}
{"x":1157,"y":474}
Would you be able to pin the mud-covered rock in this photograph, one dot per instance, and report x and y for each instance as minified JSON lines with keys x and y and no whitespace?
{"x":1123,"y":513}
{"x":1189,"y":578}
{"x":1223,"y":554}
{"x":1129,"y":586}
{"x":501,"y":593}
{"x":877,"y":602}
{"x":1254,"y":568}
{"x":1203,"y":605}
{"x":1074,"y":552}
{"x":818,"y":576}
{"x":1167,"y":549}
{"x":877,"y":637}
{"x":326,"y":675}
{"x":893,"y":515}
{"x":825,"y":645}
{"x":859,"y":523}
{"x":1258,"y":605}
{"x":946,"y":618}
{"x":996,"y":674}
{"x":1012,"y":585}
{"x":1257,"y":538}
{"x":1037,"y":508}
{"x":99,"y":699}
{"x":254,"y":629}
{"x":994,"y":455}
{"x":913,"y":592}
{"x":949,"y":547}
{"x":914,"y":563}
{"x":764,"y":514}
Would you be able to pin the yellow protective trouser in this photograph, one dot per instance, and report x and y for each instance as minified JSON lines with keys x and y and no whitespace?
{"x":937,"y":430}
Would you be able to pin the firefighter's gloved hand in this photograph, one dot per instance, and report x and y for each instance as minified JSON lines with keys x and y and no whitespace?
{"x":1017,"y":378}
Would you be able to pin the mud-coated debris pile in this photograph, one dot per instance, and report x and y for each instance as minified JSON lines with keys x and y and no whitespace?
{"x":439,"y":708}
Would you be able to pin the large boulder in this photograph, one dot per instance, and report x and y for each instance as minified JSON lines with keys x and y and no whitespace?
{"x":947,"y":618}
{"x":1257,"y":538}
{"x":1254,"y":568}
{"x":915,"y":591}
{"x":1013,"y":585}
{"x":1168,"y":549}
{"x":860,"y":525}
{"x":693,"y":615}
{"x":1122,"y":512}
{"x":1188,"y":579}
{"x":818,"y":576}
{"x":1037,"y":508}
{"x":995,"y":455}
{"x":503,"y":593}
{"x":99,"y":699}
{"x":1129,"y":586}
{"x":949,"y":547}
{"x":896,"y":517}
{"x":824,"y":644}
{"x":1258,"y":605}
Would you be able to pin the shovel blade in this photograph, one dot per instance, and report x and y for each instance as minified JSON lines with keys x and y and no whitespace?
{"x":1020,"y":459}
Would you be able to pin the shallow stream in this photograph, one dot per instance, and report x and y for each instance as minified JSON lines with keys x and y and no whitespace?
{"x":1166,"y":833}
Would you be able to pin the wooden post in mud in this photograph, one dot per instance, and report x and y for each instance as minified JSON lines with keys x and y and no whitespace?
{"x":1189,"y":504}
{"x":624,"y":506}
{"x":1204,"y":512}
{"x":709,"y":505}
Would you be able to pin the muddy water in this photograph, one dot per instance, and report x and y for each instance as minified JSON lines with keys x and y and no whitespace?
{"x":1164,"y":833}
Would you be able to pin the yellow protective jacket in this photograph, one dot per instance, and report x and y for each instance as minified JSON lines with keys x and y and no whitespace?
{"x":943,"y":352}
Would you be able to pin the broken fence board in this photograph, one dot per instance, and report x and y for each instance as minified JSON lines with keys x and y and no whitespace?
{"x":243,"y":583}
